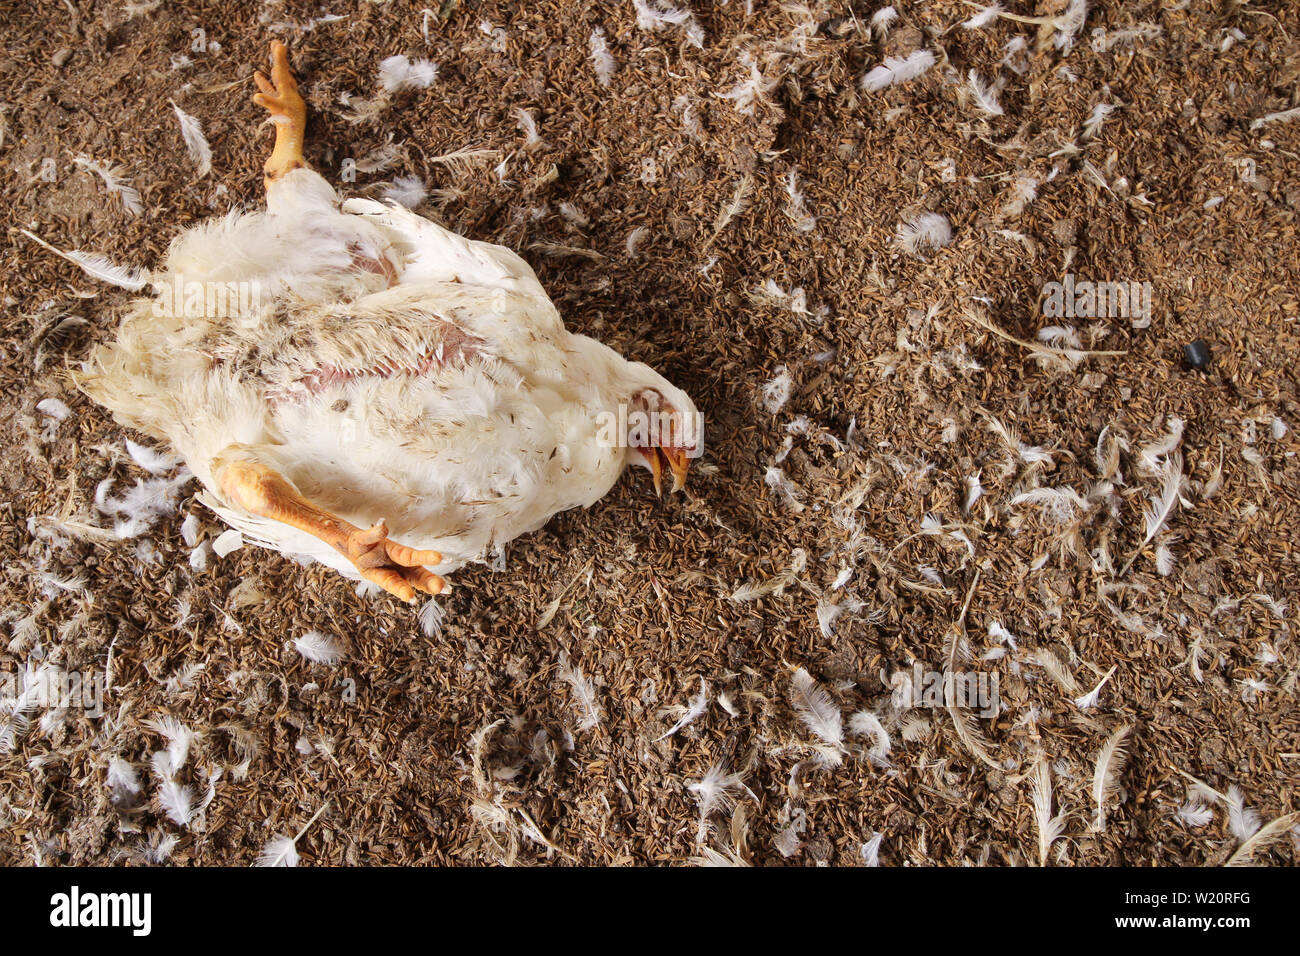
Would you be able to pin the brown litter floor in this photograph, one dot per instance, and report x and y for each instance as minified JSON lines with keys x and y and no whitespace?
{"x":1179,"y":187}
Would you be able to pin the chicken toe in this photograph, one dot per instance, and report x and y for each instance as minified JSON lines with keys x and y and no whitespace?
{"x":279,"y":96}
{"x":395,"y":567}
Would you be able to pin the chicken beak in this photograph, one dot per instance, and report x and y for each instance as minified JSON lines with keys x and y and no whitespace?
{"x":678,"y":464}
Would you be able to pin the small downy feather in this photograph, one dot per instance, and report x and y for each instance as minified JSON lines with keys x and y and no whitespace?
{"x":176,"y":801}
{"x":796,"y":209}
{"x":154,"y":462}
{"x":319,"y":648}
{"x":1089,"y":700}
{"x":738,"y":204}
{"x":195,"y":142}
{"x":528,"y":126}
{"x":1106,"y":772}
{"x":122,"y":782}
{"x":408,"y":191}
{"x":658,"y":15}
{"x":1263,"y":838}
{"x":716,"y":791}
{"x":866,"y":724}
{"x":699,"y":703}
{"x":882,"y":20}
{"x":1092,"y":125}
{"x":97,"y":266}
{"x":896,"y":70}
{"x":584,"y":693}
{"x":1242,"y":820}
{"x":280,"y":850}
{"x":927,"y":231}
{"x":168,"y":763}
{"x":114,"y":181}
{"x":602,"y":61}
{"x":819,"y":713}
{"x":871,"y":850}
{"x":1069,"y":24}
{"x":1049,"y":827}
{"x":986,"y":97}
{"x":985,"y":17}
{"x":777,"y":391}
{"x":398,"y":73}
{"x":431,"y":618}
{"x":1160,"y":507}
{"x":1194,"y":813}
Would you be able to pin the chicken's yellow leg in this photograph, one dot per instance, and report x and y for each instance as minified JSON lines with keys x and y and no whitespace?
{"x":394,"y":567}
{"x":279,"y":96}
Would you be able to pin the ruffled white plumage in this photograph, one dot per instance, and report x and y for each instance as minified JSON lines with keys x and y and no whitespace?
{"x":388,"y":368}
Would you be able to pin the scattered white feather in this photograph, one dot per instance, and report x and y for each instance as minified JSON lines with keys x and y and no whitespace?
{"x":408,"y":191}
{"x":871,"y":850}
{"x":602,"y":61}
{"x":528,"y":126}
{"x":1070,"y":24}
{"x":319,"y":648}
{"x":154,"y":462}
{"x":786,"y":489}
{"x":168,"y":763}
{"x":195,"y":142}
{"x":280,"y":850}
{"x":657,"y":16}
{"x":1089,"y":700}
{"x":796,"y":209}
{"x":1049,"y":827}
{"x":716,"y":790}
{"x":866,"y":724}
{"x":985,"y":17}
{"x":1092,"y":125}
{"x":1023,"y":191}
{"x":635,"y":238}
{"x":114,"y":179}
{"x":753,"y":91}
{"x":190,"y":530}
{"x":53,"y":408}
{"x":1194,"y":813}
{"x":97,"y":266}
{"x":819,"y":714}
{"x":142,"y":505}
{"x":882,"y":20}
{"x":896,"y":70}
{"x":777,"y":392}
{"x":986,"y":97}
{"x":176,"y":801}
{"x":698,"y":705}
{"x":1243,"y":822}
{"x":431,"y":617}
{"x":227,"y":542}
{"x":584,"y":693}
{"x":122,"y":781}
{"x":1106,"y":771}
{"x":927,"y":231}
{"x":397,"y":73}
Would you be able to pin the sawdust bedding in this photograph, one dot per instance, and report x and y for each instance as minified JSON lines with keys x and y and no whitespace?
{"x":834,"y":227}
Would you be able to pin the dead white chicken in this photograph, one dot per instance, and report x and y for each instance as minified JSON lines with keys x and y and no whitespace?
{"x":381,"y":378}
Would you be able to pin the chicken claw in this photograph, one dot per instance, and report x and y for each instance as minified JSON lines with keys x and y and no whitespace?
{"x":396,"y":568}
{"x":279,"y":96}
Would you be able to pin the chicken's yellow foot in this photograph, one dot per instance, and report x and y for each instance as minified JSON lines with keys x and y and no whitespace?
{"x":394,"y":567}
{"x":279,"y":96}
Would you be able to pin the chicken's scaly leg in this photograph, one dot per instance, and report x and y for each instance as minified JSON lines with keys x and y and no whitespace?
{"x":279,"y":95}
{"x":394,"y":567}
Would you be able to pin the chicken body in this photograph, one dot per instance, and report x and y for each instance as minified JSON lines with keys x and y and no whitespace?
{"x":386,"y":368}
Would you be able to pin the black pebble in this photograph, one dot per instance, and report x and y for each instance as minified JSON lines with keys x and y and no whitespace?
{"x":1197,"y":354}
